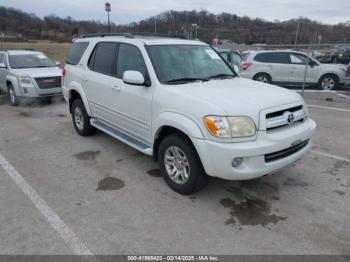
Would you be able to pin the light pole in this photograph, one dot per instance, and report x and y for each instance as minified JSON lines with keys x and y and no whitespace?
{"x":108,"y":9}
{"x":296,"y":36}
{"x":195,"y":31}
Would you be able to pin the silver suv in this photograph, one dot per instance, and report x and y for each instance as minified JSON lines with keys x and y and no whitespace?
{"x":287,"y":68}
{"x":180,"y":102}
{"x":26,"y":74}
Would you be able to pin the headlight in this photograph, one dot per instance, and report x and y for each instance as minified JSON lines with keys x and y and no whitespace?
{"x":230,"y":127}
{"x":25,"y":80}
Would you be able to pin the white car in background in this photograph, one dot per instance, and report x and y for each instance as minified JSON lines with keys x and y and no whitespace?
{"x":287,"y":68}
{"x":26,"y":74}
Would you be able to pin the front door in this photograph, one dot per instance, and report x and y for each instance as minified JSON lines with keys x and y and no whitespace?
{"x":298,"y":62}
{"x":132,"y":104}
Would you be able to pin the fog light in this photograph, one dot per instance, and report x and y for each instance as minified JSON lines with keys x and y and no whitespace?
{"x":237,"y":161}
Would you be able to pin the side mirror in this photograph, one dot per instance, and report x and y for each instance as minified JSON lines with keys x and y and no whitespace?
{"x":3,"y":66}
{"x":134,"y":78}
{"x":57,"y":63}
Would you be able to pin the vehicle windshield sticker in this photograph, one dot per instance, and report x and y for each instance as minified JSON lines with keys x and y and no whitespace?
{"x":212,"y":54}
{"x":41,"y":57}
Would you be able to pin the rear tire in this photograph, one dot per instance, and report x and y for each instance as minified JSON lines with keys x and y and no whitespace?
{"x":81,"y":119}
{"x":180,"y":165}
{"x":14,"y":100}
{"x":262,"y":77}
{"x":328,"y":82}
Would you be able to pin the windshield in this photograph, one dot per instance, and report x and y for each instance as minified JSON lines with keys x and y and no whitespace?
{"x":30,"y":61}
{"x":187,"y":62}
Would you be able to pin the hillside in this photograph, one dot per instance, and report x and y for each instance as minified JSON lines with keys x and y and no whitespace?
{"x":14,"y":22}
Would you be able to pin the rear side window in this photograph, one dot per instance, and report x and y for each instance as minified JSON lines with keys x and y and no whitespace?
{"x":76,"y":52}
{"x":130,"y":58}
{"x":102,"y":59}
{"x":273,"y":57}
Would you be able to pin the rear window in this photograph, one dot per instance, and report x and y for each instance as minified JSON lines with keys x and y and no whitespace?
{"x":102,"y":59}
{"x":76,"y":52}
{"x":273,"y":57}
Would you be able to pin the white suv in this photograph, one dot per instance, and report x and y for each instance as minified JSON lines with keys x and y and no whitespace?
{"x":288,"y":68}
{"x":180,"y":102}
{"x":26,"y":74}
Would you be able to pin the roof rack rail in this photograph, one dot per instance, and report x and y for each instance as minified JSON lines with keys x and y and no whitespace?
{"x":127,"y":35}
{"x":17,"y":49}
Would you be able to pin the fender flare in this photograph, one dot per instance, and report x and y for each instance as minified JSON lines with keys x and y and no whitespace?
{"x":178,"y":121}
{"x":75,"y":86}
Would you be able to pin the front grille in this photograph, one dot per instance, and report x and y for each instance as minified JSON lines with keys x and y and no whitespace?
{"x":284,"y":125}
{"x":49,"y":82}
{"x":285,"y":153}
{"x":281,"y":112}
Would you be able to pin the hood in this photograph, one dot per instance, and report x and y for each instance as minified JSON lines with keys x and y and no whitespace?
{"x":239,"y":96}
{"x":38,"y":72}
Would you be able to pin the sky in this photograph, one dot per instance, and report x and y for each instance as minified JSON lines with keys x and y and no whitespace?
{"x":126,"y":11}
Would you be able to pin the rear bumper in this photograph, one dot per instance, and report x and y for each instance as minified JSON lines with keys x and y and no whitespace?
{"x":217,"y":157}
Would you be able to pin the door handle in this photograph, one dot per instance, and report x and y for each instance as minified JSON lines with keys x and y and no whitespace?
{"x":85,"y":79}
{"x":116,"y":88}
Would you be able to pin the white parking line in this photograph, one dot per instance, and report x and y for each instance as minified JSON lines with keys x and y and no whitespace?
{"x":331,"y":156}
{"x":330,"y":108}
{"x":51,"y":216}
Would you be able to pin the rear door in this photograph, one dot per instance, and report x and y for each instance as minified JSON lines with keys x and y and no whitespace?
{"x":275,"y":63}
{"x":98,"y":80}
{"x":3,"y":72}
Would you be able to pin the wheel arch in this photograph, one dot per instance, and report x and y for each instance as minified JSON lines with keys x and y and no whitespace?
{"x":174,"y":123}
{"x":12,"y":80}
{"x":76,"y":91}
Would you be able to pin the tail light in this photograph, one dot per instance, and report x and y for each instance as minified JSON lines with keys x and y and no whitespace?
{"x":246,"y":65}
{"x":63,"y":72}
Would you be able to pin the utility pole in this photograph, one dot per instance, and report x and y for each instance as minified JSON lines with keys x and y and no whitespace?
{"x":296,"y":36}
{"x":108,"y":9}
{"x":307,"y":64}
{"x":155,"y":26}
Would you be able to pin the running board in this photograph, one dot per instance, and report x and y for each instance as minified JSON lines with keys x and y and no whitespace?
{"x":125,"y":138}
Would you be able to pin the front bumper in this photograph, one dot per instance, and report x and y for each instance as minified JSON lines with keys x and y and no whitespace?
{"x":217,"y":157}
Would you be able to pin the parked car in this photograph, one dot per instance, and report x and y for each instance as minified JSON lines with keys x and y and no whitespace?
{"x":178,"y":101}
{"x":341,"y":54}
{"x":28,"y":74}
{"x":234,"y":58}
{"x":287,"y":68}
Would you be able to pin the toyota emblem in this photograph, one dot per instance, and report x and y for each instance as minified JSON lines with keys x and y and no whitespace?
{"x":290,"y":118}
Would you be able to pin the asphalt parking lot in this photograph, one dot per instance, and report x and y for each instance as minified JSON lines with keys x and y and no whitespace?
{"x":64,"y":194}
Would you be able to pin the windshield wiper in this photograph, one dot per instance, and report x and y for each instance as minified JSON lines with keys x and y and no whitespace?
{"x":186,"y":80}
{"x":221,"y":76}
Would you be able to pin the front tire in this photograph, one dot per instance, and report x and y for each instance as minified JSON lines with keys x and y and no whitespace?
{"x":81,"y":119}
{"x":262,"y":77}
{"x":328,"y":82}
{"x":14,"y":100}
{"x":180,"y":165}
